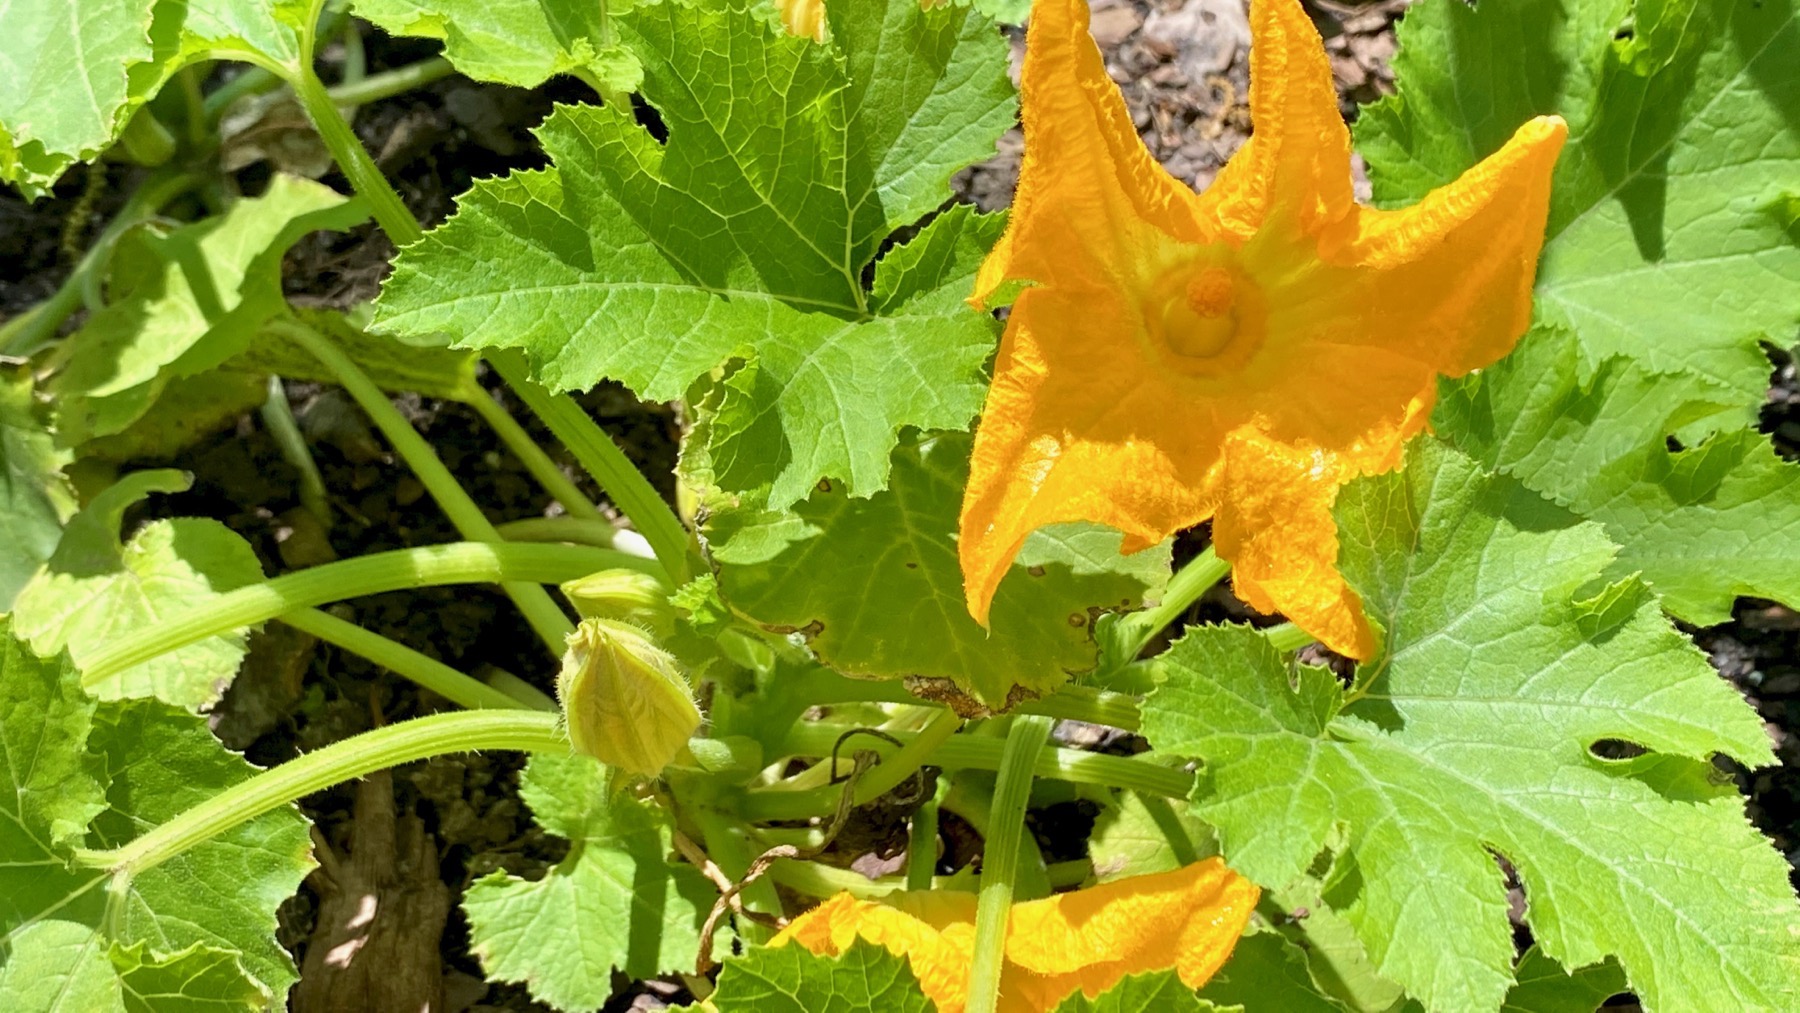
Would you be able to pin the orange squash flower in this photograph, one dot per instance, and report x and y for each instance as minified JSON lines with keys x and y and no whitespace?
{"x":1188,"y":919}
{"x":1237,"y":354}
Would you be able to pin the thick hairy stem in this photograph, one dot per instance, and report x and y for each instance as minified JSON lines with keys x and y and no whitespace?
{"x":427,"y":566}
{"x":540,"y":610}
{"x":426,"y":671}
{"x":418,"y":739}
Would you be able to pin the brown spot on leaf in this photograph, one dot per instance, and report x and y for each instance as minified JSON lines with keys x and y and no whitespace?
{"x":1035,"y":571}
{"x":809,"y":631}
{"x":940,"y":690}
{"x":1078,"y":619}
{"x":824,"y":485}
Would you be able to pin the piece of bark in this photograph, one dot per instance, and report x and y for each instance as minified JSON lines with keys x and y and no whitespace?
{"x":381,"y":915}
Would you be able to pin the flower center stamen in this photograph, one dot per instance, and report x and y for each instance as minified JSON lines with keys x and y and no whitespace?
{"x":1206,"y":317}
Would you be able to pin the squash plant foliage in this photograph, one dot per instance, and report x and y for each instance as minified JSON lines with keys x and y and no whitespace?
{"x":1488,"y":440}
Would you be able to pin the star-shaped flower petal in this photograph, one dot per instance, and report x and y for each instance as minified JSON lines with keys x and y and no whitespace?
{"x":1237,"y":354}
{"x":1188,"y":919}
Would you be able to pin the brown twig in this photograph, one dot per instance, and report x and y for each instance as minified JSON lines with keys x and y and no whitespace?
{"x":865,"y":759}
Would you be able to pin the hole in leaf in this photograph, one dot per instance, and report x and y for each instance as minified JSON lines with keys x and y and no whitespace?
{"x":648,"y":118}
{"x":1616,"y":749}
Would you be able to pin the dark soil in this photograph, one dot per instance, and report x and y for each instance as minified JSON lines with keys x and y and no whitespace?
{"x":1181,"y":64}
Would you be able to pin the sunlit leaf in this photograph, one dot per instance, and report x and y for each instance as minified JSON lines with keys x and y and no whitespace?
{"x":1702,"y":525}
{"x":187,"y":302}
{"x":196,"y":932}
{"x":747,"y":234}
{"x":614,"y":904}
{"x":874,"y":585}
{"x":1506,"y":662}
{"x":1668,"y":240}
{"x":96,"y":588}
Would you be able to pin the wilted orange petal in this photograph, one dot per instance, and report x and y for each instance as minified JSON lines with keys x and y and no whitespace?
{"x":1188,"y":918}
{"x":935,"y":937}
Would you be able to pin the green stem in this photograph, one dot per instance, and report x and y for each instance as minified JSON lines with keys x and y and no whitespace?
{"x":540,"y":610}
{"x":568,"y":529}
{"x":252,"y":81}
{"x":390,"y":212}
{"x":376,"y":573}
{"x":193,"y":107}
{"x":533,"y":457}
{"x":629,"y":490}
{"x":389,"y":83}
{"x":278,"y":418}
{"x":373,"y":88}
{"x":402,"y":660}
{"x":1085,"y":703}
{"x":822,"y":686}
{"x":957,"y":752}
{"x":356,"y":64}
{"x":887,"y":775}
{"x":817,"y":880}
{"x":37,"y":327}
{"x":357,"y":756}
{"x":1288,"y":637}
{"x":922,"y":840}
{"x":1185,"y":588}
{"x":1000,"y":858}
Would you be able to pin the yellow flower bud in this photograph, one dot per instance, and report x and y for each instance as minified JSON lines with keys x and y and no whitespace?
{"x":627,"y":596}
{"x":626,"y":700}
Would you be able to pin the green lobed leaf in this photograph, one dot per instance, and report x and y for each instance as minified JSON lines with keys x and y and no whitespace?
{"x":34,"y":498}
{"x":59,"y":967}
{"x":615,"y":903}
{"x":76,"y":70}
{"x":518,"y":42}
{"x":48,"y":790}
{"x":187,"y":302}
{"x":186,"y":411}
{"x":1141,"y":834}
{"x":1669,"y":237}
{"x":875,"y":586}
{"x":1702,"y":525}
{"x":1335,"y":958}
{"x":1505,"y":663}
{"x":67,"y":967}
{"x":865,"y":978}
{"x":747,"y":235}
{"x":159,"y":762}
{"x":195,"y":932}
{"x":1544,"y":987}
{"x":1160,"y":990}
{"x":95,"y":588}
{"x":1268,"y":972}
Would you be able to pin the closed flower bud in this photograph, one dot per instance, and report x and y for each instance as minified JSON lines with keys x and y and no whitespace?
{"x":626,"y":596}
{"x":626,"y":700}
